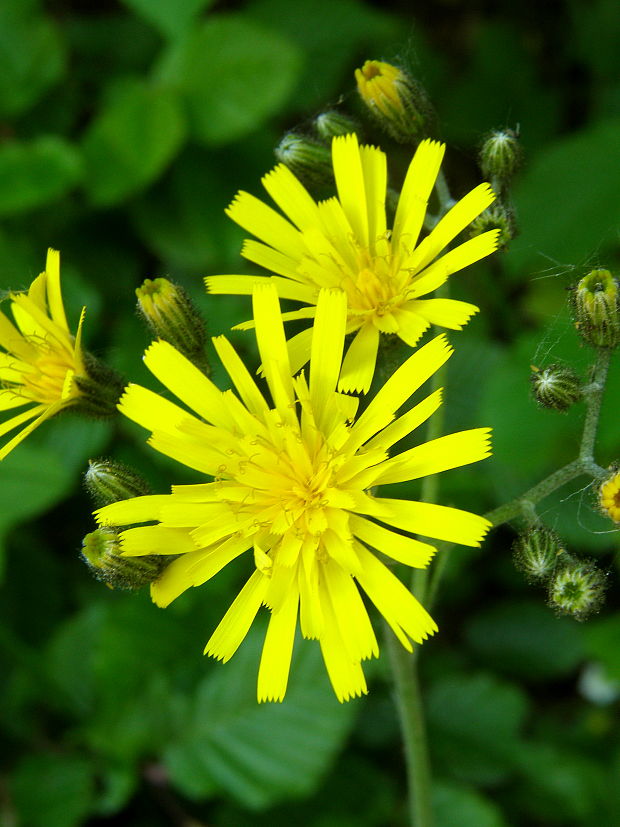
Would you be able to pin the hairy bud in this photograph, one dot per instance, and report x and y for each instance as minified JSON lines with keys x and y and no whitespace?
{"x":398,"y":103}
{"x":577,"y":588}
{"x":102,"y":554}
{"x":536,"y":553}
{"x":308,"y":158}
{"x":595,"y":302}
{"x":556,"y":387}
{"x":500,"y":155}
{"x":330,"y":124}
{"x":497,"y":217}
{"x":108,"y":482}
{"x":172,"y":316}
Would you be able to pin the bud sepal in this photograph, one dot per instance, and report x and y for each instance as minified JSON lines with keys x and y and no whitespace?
{"x":556,"y":387}
{"x":577,"y":588}
{"x":101,"y":552}
{"x":536,"y":553}
{"x":108,"y":481}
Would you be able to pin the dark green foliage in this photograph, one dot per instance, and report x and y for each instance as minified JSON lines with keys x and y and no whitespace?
{"x":125,"y":130}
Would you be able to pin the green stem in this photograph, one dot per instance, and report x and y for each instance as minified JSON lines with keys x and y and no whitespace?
{"x":413,"y":729}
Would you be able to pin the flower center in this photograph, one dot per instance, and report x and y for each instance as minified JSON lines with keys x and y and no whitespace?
{"x":45,"y":382}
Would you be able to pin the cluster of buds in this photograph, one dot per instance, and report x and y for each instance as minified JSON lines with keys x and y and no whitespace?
{"x":557,"y":387}
{"x":500,"y":158}
{"x":575,"y":587}
{"x":107,"y":482}
{"x":595,"y":302}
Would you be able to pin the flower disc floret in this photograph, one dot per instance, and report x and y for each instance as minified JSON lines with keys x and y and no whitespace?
{"x":291,"y":481}
{"x":345,"y":243}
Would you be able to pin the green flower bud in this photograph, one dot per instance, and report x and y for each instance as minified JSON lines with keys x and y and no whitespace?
{"x":501,"y":155}
{"x":555,"y":387}
{"x":172,"y":316}
{"x":100,"y":389}
{"x":108,"y":482}
{"x":398,"y":103}
{"x":102,"y":554}
{"x":596,"y":308}
{"x":577,"y":588}
{"x":309,"y":159}
{"x":332,"y":123}
{"x":609,"y":496}
{"x":536,"y":553}
{"x":496,"y":217}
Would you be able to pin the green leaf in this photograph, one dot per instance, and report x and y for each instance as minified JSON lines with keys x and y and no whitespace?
{"x":171,"y":17}
{"x":561,"y":785}
{"x":568,"y":230}
{"x":32,"y":57}
{"x":260,"y":753}
{"x":36,"y":173}
{"x":233,"y":75}
{"x":32,"y":481}
{"x":526,"y":640}
{"x":474,"y":723}
{"x":457,"y":806}
{"x":131,"y":141}
{"x":53,"y":790}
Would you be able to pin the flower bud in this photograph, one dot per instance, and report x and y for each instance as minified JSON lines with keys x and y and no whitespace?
{"x":609,"y":496}
{"x":308,"y":158}
{"x":108,"y":482}
{"x":330,"y":124}
{"x":577,"y":588}
{"x":496,"y":217}
{"x":102,"y":554}
{"x":536,"y":553}
{"x":399,"y":103}
{"x":172,"y":316}
{"x":555,"y":387}
{"x":501,"y":155}
{"x":596,"y":307}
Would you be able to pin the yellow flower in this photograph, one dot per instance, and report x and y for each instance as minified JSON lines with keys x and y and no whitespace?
{"x":40,"y":359}
{"x":344,"y":242}
{"x":292,"y":482}
{"x":609,"y":497}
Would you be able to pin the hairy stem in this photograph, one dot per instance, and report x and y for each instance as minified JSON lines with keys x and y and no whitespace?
{"x":413,"y":728}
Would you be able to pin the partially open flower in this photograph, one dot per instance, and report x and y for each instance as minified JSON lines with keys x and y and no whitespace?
{"x":42,"y":364}
{"x":397,"y":102}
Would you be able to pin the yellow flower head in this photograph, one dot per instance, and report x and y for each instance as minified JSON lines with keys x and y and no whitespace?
{"x":344,"y":243}
{"x":609,"y":497}
{"x":291,"y":482}
{"x":40,"y":358}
